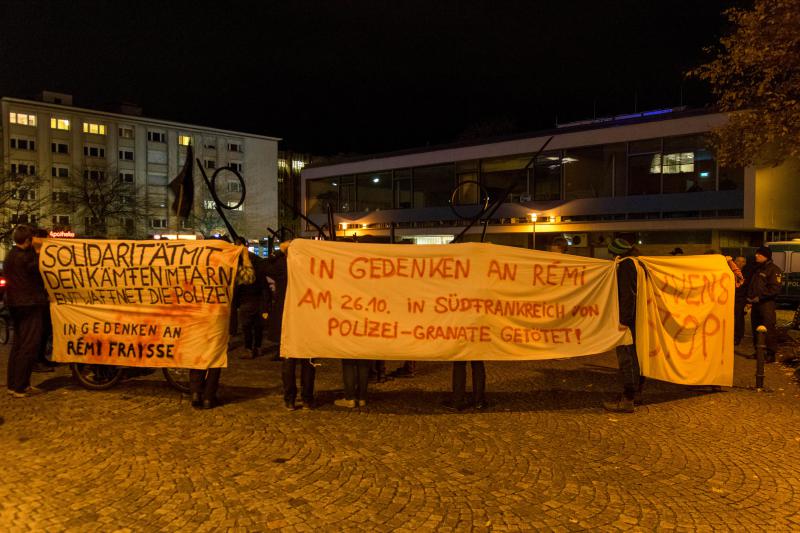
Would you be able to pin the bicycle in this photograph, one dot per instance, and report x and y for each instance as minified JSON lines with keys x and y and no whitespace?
{"x":103,"y":377}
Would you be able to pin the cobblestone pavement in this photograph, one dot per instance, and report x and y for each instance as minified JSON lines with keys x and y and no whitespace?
{"x":545,"y":456}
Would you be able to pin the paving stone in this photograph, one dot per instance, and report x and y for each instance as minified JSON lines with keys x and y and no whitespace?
{"x":543,"y":457}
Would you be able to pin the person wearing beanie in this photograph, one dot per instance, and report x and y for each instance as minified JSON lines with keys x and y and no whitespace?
{"x":763,"y":287}
{"x":627,"y":357}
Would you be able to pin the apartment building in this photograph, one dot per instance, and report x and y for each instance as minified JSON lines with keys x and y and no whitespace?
{"x":98,"y":173}
{"x":649,"y":177}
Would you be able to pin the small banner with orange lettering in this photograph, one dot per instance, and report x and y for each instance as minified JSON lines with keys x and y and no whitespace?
{"x":140,"y":303}
{"x":684,"y":319}
{"x":446,"y":302}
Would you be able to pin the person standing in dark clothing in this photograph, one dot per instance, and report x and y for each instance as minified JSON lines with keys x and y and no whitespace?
{"x":355,"y":376}
{"x":27,"y":301}
{"x":253,"y":299}
{"x":740,"y":301}
{"x":763,"y":287}
{"x":204,"y":384}
{"x":276,"y":268}
{"x":627,"y":357}
{"x":43,"y":364}
{"x":457,"y":402}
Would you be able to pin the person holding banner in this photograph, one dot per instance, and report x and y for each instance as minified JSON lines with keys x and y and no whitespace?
{"x":355,"y":375}
{"x":457,"y":401}
{"x":627,"y":357}
{"x":277,"y":269}
{"x":27,"y":300}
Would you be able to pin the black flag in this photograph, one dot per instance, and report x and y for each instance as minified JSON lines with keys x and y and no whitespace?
{"x":183,"y":187}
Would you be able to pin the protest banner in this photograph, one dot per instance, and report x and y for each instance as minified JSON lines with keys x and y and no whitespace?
{"x":452,"y":302}
{"x":487,"y":302}
{"x":140,"y":303}
{"x":684,"y":322}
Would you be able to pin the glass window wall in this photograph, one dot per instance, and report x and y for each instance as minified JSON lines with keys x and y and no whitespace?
{"x":403,"y":198}
{"x":547,"y":177}
{"x":374,"y":191}
{"x":687,"y":165}
{"x":433,"y":185}
{"x":320,"y":193}
{"x":588,"y":172}
{"x":499,"y":174}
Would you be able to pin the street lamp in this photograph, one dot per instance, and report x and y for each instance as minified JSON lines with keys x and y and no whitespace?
{"x":533,"y":217}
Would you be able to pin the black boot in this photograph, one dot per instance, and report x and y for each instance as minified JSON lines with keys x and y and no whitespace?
{"x":197,"y":400}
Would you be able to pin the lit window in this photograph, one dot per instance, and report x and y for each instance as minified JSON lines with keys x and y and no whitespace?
{"x":208,"y":204}
{"x":240,"y":208}
{"x":59,"y":124}
{"x":298,"y":165}
{"x":184,"y":140}
{"x":676,"y":163}
{"x":282,"y":163}
{"x":95,"y":129}
{"x":23,"y":119}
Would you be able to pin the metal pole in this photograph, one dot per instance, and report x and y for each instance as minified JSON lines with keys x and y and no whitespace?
{"x":761,"y":349}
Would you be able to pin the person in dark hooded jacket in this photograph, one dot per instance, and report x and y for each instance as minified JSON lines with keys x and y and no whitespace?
{"x":626,"y":355}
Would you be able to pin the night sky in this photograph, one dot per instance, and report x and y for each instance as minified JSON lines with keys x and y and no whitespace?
{"x":348,"y":77}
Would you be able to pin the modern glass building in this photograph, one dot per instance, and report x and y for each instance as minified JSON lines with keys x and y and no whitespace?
{"x":649,"y":177}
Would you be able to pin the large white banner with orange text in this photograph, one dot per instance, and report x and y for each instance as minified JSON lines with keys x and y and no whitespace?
{"x":140,"y":303}
{"x":450,"y":302}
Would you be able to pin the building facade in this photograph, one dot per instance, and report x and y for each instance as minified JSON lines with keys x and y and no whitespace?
{"x":649,"y":177}
{"x":105,"y":174}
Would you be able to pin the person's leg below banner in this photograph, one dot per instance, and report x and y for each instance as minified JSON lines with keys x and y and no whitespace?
{"x":289,"y":382}
{"x":630,"y":380}
{"x":479,"y":384}
{"x":307,"y":375}
{"x":196,"y":385}
{"x":210,"y":389}
{"x":349,"y":384}
{"x":29,"y":335}
{"x":362,"y":381}
{"x":456,"y":401}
